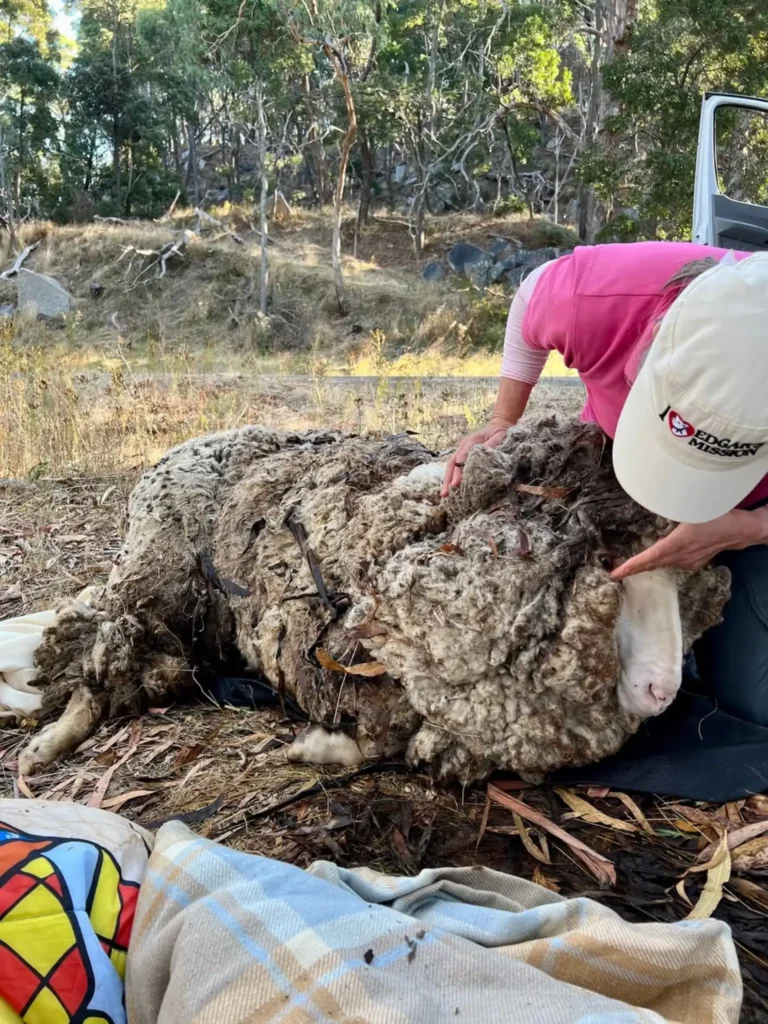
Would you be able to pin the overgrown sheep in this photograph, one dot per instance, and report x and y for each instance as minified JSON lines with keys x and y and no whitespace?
{"x":479,"y":631}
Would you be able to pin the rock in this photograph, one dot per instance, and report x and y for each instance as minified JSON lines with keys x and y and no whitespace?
{"x":516,"y":277}
{"x":480,"y":273}
{"x":41,"y":294}
{"x":433,"y":272}
{"x":462,"y":256}
{"x":97,"y":289}
{"x":500,"y":248}
{"x":539,"y":256}
{"x":7,"y":309}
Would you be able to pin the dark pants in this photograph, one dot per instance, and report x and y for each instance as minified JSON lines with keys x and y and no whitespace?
{"x":732,"y":658}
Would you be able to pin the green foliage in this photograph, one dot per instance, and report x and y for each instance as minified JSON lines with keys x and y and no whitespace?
{"x":163,"y":96}
{"x":680,"y":49}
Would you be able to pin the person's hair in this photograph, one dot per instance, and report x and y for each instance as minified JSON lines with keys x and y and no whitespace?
{"x":683,"y":277}
{"x":670,"y":291}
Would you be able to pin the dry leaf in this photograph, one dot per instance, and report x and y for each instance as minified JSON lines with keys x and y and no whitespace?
{"x":635,"y":811}
{"x":587,"y":812}
{"x":737,"y":838}
{"x":116,"y":802}
{"x":717,"y":876}
{"x":733,"y":811}
{"x":106,"y":495}
{"x":685,"y":826}
{"x":450,"y":549}
{"x":23,"y":785}
{"x":483,"y":823}
{"x":680,"y":890}
{"x":540,"y":855}
{"x":368,"y":669}
{"x":599,"y":866}
{"x":702,"y":818}
{"x":751,"y":891}
{"x":541,"y":879}
{"x":102,"y":785}
{"x":758,"y":804}
{"x":598,"y":792}
{"x":543,"y":492}
{"x":752,"y":856}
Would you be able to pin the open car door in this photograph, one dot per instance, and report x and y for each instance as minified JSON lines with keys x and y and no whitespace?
{"x":730,"y":202}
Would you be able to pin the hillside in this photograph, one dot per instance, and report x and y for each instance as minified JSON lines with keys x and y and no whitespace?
{"x":142,"y":361}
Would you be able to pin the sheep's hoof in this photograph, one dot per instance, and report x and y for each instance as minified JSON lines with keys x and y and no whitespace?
{"x":317,"y":745}
{"x":77,"y":722}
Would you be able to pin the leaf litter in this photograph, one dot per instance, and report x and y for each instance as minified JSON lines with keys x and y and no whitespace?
{"x":215,"y":767}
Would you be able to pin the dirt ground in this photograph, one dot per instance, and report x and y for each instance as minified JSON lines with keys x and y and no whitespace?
{"x":224,"y":771}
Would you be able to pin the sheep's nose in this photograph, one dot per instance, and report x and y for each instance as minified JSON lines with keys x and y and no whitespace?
{"x":657,"y":693}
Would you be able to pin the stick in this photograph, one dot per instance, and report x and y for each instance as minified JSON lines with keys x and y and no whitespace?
{"x":19,"y":260}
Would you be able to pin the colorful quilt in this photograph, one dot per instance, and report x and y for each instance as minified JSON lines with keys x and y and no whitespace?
{"x":66,"y":914}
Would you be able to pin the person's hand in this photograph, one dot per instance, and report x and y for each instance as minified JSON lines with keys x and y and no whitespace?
{"x":492,"y":435}
{"x":691,"y":546}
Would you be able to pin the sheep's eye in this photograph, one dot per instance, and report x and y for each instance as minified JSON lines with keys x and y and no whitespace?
{"x":606,"y":562}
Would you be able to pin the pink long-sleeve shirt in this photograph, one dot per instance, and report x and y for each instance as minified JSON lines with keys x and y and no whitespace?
{"x":596,"y":307}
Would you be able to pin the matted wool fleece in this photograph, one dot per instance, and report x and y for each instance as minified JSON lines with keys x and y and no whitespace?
{"x":491,"y":612}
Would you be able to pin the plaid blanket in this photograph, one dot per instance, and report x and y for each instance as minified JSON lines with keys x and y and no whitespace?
{"x":221,"y":935}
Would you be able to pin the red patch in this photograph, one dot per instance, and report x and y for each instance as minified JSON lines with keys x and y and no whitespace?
{"x":678,"y":426}
{"x":70,"y":981}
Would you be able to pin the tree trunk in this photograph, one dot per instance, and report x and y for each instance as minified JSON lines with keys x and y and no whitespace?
{"x":428,"y":129}
{"x":263,"y":226}
{"x":338,"y":194}
{"x":315,"y":146}
{"x":366,"y":184}
{"x":592,"y":127}
{"x":116,"y":125}
{"x":193,"y":177}
{"x":116,"y":165}
{"x":10,"y":216}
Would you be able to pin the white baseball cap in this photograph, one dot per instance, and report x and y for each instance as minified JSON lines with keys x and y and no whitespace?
{"x":692,"y":438}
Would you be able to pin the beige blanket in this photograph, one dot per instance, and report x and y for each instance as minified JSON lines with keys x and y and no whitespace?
{"x":222,"y":936}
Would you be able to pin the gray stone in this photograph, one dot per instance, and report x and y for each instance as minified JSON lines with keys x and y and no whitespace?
{"x":516,"y":277}
{"x":41,"y":294}
{"x":500,"y":248}
{"x":462,"y":256}
{"x":539,"y":256}
{"x":433,"y":272}
{"x":7,"y":309}
{"x":480,"y":273}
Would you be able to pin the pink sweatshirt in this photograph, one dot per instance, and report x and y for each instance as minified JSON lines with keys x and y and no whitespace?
{"x":596,"y":308}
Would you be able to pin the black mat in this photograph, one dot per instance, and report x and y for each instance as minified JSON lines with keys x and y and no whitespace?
{"x":694,"y":750}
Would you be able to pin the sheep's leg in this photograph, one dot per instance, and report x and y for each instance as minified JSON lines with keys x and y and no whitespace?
{"x":77,"y":722}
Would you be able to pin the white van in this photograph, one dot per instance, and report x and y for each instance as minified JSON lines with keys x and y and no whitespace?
{"x":731,"y":173}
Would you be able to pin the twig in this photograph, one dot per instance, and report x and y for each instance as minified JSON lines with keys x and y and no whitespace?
{"x":19,"y":260}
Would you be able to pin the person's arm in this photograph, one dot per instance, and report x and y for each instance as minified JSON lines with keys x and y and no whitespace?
{"x":521,"y":367}
{"x":510,"y":406}
{"x":691,"y":546}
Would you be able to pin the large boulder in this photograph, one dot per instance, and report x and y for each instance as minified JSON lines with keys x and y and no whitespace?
{"x":42,"y":294}
{"x":464,"y":255}
{"x":433,"y":272}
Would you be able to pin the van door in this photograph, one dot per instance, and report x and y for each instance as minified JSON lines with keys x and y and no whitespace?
{"x":730,"y":201}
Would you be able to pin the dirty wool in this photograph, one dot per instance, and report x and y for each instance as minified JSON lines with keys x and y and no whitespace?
{"x":471,"y":633}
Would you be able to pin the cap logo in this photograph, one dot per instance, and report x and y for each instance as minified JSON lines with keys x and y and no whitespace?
{"x":704,"y":441}
{"x":679,"y":426}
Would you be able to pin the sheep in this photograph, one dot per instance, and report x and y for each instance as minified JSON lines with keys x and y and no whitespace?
{"x":497,"y":634}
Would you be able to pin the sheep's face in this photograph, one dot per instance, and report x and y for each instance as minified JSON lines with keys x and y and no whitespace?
{"x":650,"y":641}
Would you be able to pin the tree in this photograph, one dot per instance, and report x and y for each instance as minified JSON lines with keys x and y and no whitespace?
{"x":347,"y":34}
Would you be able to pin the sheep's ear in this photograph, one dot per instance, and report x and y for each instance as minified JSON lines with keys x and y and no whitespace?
{"x":703,"y":595}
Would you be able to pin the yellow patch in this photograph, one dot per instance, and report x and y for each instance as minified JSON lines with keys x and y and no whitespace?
{"x":46,"y":1009}
{"x":40,"y":868}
